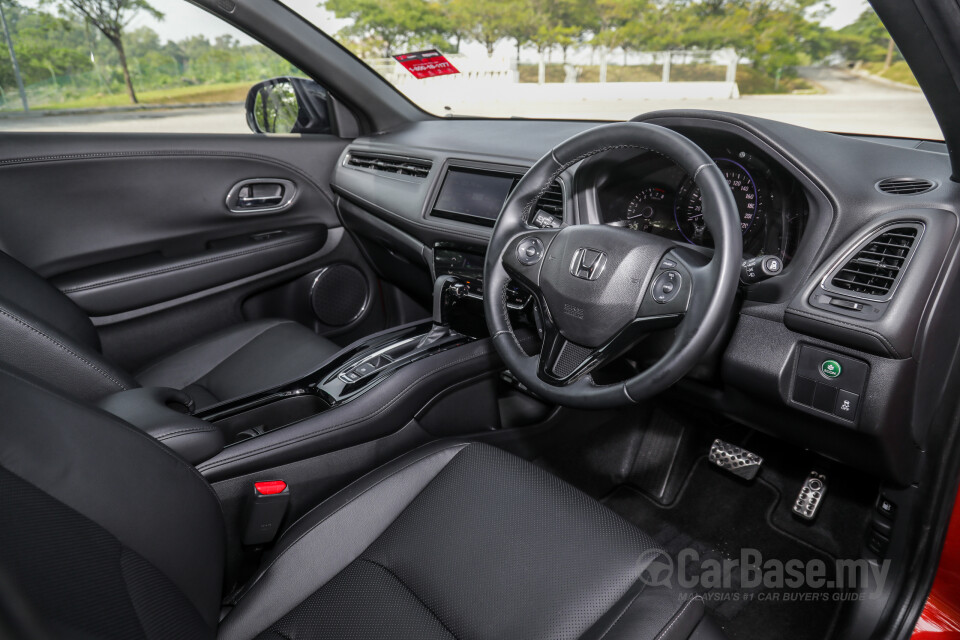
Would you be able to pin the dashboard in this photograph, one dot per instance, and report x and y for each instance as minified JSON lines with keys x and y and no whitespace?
{"x":865,"y":268}
{"x":649,"y":193}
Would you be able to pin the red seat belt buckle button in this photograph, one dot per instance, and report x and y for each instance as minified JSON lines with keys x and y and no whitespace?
{"x":266,"y":508}
{"x":270,"y":487}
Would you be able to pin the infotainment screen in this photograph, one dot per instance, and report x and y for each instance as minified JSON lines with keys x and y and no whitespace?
{"x":473,"y":195}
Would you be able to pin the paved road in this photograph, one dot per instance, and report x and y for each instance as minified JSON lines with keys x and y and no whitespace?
{"x":850,"y":104}
{"x":203,"y":120}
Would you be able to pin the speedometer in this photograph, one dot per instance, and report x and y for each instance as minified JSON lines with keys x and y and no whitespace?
{"x":688,"y":207}
{"x":642,"y":207}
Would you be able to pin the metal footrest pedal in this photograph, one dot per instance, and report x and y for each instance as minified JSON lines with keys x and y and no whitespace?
{"x":734,"y":459}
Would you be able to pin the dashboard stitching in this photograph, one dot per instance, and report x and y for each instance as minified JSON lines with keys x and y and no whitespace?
{"x":886,"y":343}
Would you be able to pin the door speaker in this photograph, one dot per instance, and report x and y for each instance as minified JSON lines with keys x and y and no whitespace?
{"x":339,"y":295}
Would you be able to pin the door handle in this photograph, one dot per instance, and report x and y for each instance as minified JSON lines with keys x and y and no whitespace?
{"x":246,"y":202}
{"x":261,"y":195}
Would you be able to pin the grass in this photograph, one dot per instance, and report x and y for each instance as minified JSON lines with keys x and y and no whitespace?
{"x":223,"y":92}
{"x":898,"y":72}
{"x":750,"y":80}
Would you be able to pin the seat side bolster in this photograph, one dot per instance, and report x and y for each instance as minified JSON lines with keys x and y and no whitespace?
{"x":327,"y":539}
{"x":37,"y":348}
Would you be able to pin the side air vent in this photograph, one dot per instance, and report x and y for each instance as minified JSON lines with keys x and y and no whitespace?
{"x":905,"y":186}
{"x":876,"y":267}
{"x":548,"y":212}
{"x":412,"y":167}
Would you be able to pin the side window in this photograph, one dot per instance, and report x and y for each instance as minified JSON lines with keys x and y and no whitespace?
{"x":128,"y":66}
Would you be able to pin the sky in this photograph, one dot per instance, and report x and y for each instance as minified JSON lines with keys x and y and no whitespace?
{"x":183,"y":19}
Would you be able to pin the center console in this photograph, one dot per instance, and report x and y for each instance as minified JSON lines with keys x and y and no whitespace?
{"x":347,"y":376}
{"x":440,"y":375}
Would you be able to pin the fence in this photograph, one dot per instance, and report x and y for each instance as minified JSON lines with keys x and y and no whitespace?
{"x":586,"y":65}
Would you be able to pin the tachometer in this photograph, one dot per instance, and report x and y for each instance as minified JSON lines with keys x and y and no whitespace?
{"x":688,"y":207}
{"x":641,"y":208}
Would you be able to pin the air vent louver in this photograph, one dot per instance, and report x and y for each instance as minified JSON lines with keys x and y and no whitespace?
{"x":905,"y":186}
{"x":876,"y":267}
{"x":552,"y":200}
{"x":548,"y":212}
{"x":388,"y":164}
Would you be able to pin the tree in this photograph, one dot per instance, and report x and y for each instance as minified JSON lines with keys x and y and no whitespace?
{"x":397,"y":24}
{"x":867,"y":39}
{"x":111,"y":18}
{"x":609,"y":21}
{"x":483,"y":21}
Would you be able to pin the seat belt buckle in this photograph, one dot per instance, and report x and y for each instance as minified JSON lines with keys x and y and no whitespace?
{"x":265,"y":511}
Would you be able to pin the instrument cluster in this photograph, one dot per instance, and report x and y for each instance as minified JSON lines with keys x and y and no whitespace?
{"x":651,"y":194}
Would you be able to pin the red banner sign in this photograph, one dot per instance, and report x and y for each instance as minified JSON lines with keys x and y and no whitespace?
{"x":426,"y":64}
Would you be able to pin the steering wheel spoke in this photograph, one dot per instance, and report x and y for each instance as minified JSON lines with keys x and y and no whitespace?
{"x":562,"y":361}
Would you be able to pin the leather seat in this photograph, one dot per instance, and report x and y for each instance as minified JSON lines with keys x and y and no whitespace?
{"x":106,"y":533}
{"x":45,"y":334}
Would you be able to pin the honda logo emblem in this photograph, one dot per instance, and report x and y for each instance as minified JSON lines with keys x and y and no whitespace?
{"x":588,"y":263}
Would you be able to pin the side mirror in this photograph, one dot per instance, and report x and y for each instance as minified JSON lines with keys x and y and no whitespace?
{"x":288,"y":105}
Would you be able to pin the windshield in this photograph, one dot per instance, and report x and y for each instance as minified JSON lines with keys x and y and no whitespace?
{"x":829,"y":66}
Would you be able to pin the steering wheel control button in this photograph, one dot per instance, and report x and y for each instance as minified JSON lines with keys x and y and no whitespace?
{"x":666,"y":286}
{"x":667,"y":263}
{"x":846,"y":407}
{"x":530,"y":251}
{"x":830,"y":369}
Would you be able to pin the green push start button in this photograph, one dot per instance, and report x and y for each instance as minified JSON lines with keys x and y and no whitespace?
{"x":830,"y":369}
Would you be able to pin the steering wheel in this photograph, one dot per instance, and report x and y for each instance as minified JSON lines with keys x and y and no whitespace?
{"x":600,"y":289}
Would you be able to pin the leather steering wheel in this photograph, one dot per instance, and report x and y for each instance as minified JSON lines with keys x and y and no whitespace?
{"x":600,"y":289}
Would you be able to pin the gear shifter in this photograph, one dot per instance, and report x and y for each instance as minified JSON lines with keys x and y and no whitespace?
{"x":445,"y":290}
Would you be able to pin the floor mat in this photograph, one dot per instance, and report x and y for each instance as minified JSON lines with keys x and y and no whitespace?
{"x":716,"y":517}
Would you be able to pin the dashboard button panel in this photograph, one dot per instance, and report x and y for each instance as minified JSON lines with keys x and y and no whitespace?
{"x":829,"y":384}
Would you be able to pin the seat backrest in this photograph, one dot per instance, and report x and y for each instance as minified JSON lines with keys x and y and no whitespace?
{"x":45,"y":334}
{"x":104,"y":532}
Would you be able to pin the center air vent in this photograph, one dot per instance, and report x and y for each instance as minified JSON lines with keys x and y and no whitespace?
{"x":905,"y":186}
{"x":412,"y":167}
{"x":548,"y":212}
{"x":879,"y":263}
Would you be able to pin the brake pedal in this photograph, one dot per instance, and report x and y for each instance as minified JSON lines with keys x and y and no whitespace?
{"x":734,"y":459}
{"x":811,"y":495}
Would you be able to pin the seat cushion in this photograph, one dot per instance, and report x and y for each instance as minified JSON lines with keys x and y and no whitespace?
{"x":460,"y":541}
{"x":244,"y":359}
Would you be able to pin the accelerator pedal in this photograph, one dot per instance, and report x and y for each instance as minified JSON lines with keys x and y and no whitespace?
{"x":734,"y":459}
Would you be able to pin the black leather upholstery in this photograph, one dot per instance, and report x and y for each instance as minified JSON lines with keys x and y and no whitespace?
{"x":43,"y":333}
{"x":103,"y":529}
{"x":460,"y":540}
{"x":241,"y":360}
{"x":163,"y":413}
{"x":105,"y":533}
